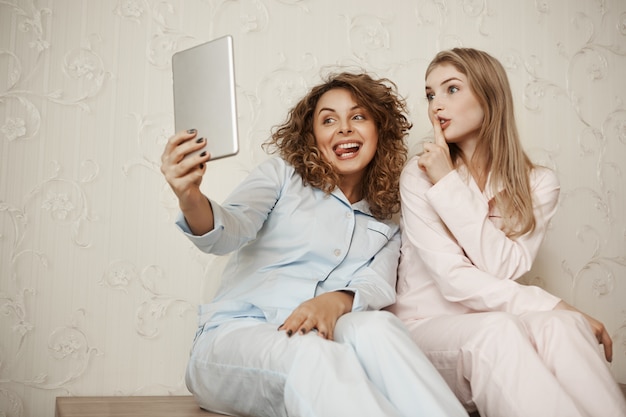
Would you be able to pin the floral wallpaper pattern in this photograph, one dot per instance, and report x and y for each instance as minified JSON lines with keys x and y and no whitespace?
{"x":98,"y":290}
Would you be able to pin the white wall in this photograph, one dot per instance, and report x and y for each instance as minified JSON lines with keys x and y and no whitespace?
{"x":98,"y":290}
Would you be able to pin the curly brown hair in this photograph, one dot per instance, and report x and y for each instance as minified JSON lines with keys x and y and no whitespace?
{"x":295,"y":141}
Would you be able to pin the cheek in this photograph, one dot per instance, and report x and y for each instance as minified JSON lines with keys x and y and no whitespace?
{"x":322,"y":137}
{"x":316,"y":135}
{"x":373,"y":145}
{"x":477,"y":116}
{"x":375,"y":139}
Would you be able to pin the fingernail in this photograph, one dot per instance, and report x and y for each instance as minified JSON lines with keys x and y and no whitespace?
{"x":203,"y":153}
{"x":289,"y":333}
{"x":302,"y":331}
{"x":201,"y":166}
{"x":199,"y":140}
{"x":190,"y":131}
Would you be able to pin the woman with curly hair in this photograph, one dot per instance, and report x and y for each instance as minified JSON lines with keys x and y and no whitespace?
{"x":294,"y":328}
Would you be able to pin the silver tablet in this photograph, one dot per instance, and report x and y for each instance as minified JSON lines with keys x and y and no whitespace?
{"x":204,"y":95}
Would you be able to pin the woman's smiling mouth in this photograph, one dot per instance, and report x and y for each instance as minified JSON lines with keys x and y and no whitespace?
{"x":347,"y":150}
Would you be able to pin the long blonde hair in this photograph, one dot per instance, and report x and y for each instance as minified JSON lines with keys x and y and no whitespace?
{"x":507,"y":162}
{"x":295,"y":142}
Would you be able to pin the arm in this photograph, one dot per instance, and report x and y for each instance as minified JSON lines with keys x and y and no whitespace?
{"x":238,"y":220}
{"x":374,"y":285}
{"x":466,"y":213}
{"x":458,"y":279}
{"x":184,"y":175}
{"x":371,"y":287}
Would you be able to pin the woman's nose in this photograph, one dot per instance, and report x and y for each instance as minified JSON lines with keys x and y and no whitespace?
{"x":345,"y":127}
{"x":436,"y":104}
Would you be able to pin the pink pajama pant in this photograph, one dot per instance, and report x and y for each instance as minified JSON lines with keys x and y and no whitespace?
{"x":540,"y":364}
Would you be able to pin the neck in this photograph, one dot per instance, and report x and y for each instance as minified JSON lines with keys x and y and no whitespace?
{"x":351,"y":188}
{"x":480,"y":175}
{"x":477,"y":165}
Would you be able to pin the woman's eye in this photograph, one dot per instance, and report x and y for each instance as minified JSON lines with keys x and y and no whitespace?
{"x":430,"y":96}
{"x":359,"y":117}
{"x":453,"y":89}
{"x":327,"y":120}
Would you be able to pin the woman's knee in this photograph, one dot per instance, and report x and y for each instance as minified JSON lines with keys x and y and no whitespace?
{"x":369,"y":327}
{"x":500,"y":338}
{"x":556,"y":324}
{"x":368,"y":322}
{"x":499,"y":328}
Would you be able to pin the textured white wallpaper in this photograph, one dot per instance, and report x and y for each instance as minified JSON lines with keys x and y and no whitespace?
{"x":98,"y":290}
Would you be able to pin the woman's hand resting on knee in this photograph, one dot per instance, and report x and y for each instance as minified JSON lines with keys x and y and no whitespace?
{"x":319,"y":313}
{"x":596,"y":326}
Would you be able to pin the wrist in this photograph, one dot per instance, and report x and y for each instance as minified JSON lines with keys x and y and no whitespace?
{"x":347,"y":298}
{"x":198,"y":215}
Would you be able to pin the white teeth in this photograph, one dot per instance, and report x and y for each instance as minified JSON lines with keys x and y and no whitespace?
{"x":348,"y":145}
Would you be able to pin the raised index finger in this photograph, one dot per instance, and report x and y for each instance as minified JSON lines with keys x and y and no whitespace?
{"x":440,"y":139}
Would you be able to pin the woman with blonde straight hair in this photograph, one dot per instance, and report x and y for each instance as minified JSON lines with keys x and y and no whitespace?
{"x":474,"y":212}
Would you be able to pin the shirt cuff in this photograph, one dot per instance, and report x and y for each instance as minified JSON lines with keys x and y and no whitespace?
{"x":208,"y":239}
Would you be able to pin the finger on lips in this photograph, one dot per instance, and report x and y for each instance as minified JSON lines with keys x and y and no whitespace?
{"x":440,"y":138}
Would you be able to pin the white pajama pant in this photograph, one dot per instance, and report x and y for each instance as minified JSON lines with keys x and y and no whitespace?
{"x":373,"y":368}
{"x":540,"y":364}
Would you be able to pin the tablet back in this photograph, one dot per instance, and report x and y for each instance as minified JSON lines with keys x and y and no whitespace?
{"x":204,"y":95}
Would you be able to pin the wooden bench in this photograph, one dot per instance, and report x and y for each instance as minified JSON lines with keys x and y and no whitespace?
{"x":144,"y":406}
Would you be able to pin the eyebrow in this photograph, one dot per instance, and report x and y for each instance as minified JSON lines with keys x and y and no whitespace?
{"x":334,"y":111}
{"x":446,"y":81}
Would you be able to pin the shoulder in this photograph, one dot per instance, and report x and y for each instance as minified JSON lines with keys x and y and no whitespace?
{"x":411,"y":165}
{"x":545,"y":186}
{"x":412,"y":172}
{"x":543,"y":177}
{"x":275,"y":165}
{"x":414,"y":180}
{"x":273,"y":172}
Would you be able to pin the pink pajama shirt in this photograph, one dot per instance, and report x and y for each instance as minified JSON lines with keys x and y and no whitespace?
{"x":499,"y":344}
